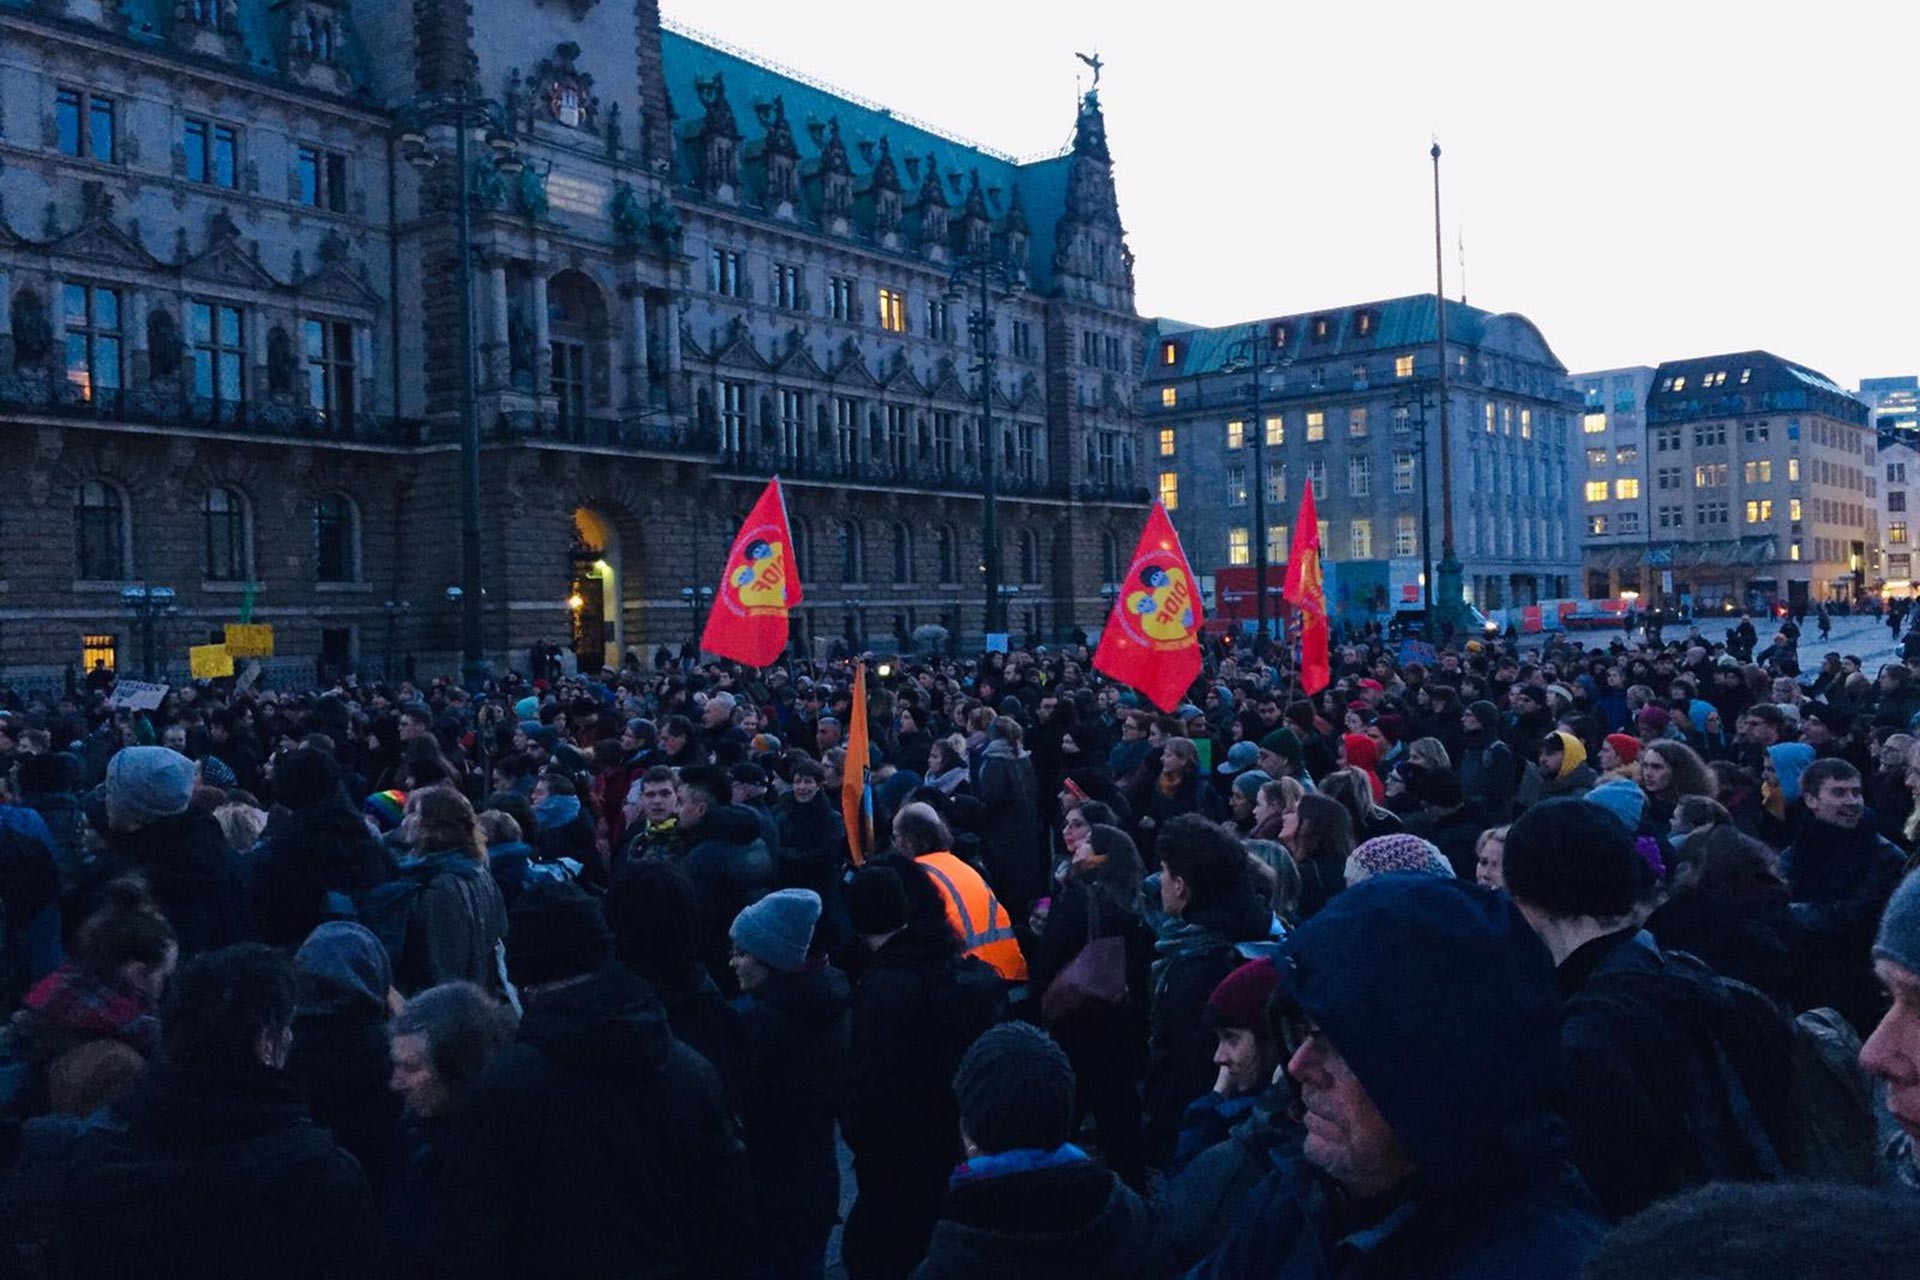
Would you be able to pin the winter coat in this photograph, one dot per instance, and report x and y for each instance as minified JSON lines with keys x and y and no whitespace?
{"x":193,"y":876}
{"x":812,"y":851}
{"x":1455,"y":834}
{"x":66,"y":821}
{"x":1202,"y":1197}
{"x":899,"y":1095}
{"x":701,"y":1019}
{"x":595,"y":1146}
{"x":1840,"y":879}
{"x":1010,"y":845}
{"x":1488,"y":775}
{"x":1072,"y":1221}
{"x":1193,"y":954}
{"x":342,"y":1061}
{"x":458,"y":922}
{"x":1572,"y":784}
{"x":302,"y":856}
{"x":731,"y":869}
{"x":197,"y":1174}
{"x":801,"y":1029}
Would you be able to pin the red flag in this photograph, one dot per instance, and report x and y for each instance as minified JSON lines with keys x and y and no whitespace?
{"x":759,"y":587}
{"x":1307,"y":594}
{"x":856,"y":778}
{"x":1152,"y":640}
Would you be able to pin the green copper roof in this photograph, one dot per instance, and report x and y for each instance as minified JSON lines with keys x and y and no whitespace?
{"x":1389,"y":324}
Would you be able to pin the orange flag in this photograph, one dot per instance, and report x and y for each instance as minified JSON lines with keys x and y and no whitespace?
{"x":1305,"y":591}
{"x":856,"y":787}
{"x":1152,"y":640}
{"x":749,"y":618}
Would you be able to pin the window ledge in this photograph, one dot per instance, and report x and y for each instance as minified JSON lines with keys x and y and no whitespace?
{"x":97,"y":586}
{"x":223,"y":587}
{"x":345,"y":588}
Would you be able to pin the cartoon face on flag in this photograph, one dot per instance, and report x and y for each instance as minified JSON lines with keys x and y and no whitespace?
{"x":1152,"y":639}
{"x":758,"y":587}
{"x":1161,"y":603}
{"x":756,"y":578}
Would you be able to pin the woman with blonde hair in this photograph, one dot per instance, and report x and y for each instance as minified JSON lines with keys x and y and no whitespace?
{"x":457,"y":920}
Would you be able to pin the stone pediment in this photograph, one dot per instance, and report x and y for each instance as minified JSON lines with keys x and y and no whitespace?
{"x":899,"y":376}
{"x":226,"y":263}
{"x":101,"y":241}
{"x":947,"y":385}
{"x":734,"y":346}
{"x":336,"y":282}
{"x":799,"y":361}
{"x":852,"y":368}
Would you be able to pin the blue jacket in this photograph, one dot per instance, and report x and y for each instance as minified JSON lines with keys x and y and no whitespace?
{"x":1472,"y":999}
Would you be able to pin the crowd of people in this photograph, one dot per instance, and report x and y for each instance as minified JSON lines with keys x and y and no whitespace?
{"x":1501,"y":964}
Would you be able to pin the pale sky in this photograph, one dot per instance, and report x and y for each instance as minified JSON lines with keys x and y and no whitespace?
{"x":1645,"y":181}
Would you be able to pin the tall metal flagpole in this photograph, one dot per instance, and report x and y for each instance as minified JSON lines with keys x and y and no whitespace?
{"x":1449,"y":595}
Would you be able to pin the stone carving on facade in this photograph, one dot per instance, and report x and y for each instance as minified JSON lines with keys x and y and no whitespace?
{"x":32,"y":329}
{"x":779,"y":153}
{"x":975,"y":230}
{"x":836,"y":177}
{"x":165,"y":351}
{"x":530,"y":193}
{"x":933,"y":206}
{"x":513,"y":104}
{"x":719,"y":138}
{"x":663,"y":226}
{"x":627,"y":216}
{"x":884,"y":183}
{"x":282,"y":364}
{"x":613,"y":131}
{"x":519,"y":347}
{"x":563,"y":93}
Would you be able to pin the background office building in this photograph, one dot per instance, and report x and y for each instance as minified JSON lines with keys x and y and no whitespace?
{"x":1899,"y":480}
{"x":1613,"y":489}
{"x":1347,"y":401}
{"x":1762,"y":482}
{"x":1893,"y":403}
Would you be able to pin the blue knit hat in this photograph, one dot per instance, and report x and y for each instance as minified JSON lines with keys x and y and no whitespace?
{"x":1899,"y":940}
{"x":1622,"y":798}
{"x":1790,"y":760}
{"x":778,"y":929}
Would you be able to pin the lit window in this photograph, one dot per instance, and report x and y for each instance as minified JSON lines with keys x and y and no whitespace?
{"x":1526,"y":424}
{"x":1357,"y":422}
{"x":1363,"y":323}
{"x":1744,"y":375}
{"x":1593,"y":423}
{"x":893,"y":310}
{"x":1793,"y":510}
{"x":1239,"y":546}
{"x":1627,"y":453}
{"x":1170,"y":490}
{"x":1276,"y":430}
{"x":1166,"y":442}
{"x":1406,"y":536}
{"x":1169,"y":397}
{"x":1597,"y":525}
{"x":1793,"y":470}
{"x":1759,"y":510}
{"x":1236,"y":435}
{"x":1489,"y":416}
{"x":1360,"y":539}
{"x":98,"y":651}
{"x":1403,"y":366}
{"x":1759,"y":472}
{"x":1680,"y":384}
{"x":1236,"y":486}
{"x":1793,"y":552}
{"x":1896,"y":531}
{"x":1596,"y":457}
{"x":1626,"y":487}
{"x":1320,"y":526}
{"x":1506,"y":419}
{"x":1596,"y":491}
{"x":1710,"y":476}
{"x":1169,"y":353}
{"x":1316,"y":426}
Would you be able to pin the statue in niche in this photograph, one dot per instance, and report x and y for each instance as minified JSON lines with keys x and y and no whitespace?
{"x":282,"y":364}
{"x":164,"y":351}
{"x":32,"y":330}
{"x":628,"y":216}
{"x":519,"y":347}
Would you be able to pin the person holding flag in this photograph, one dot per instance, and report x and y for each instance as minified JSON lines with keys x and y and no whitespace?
{"x":856,"y":776}
{"x":759,"y":588}
{"x":1152,"y":639}
{"x":1305,"y":591}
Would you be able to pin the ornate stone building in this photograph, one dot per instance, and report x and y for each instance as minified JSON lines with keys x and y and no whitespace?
{"x":230,"y":355}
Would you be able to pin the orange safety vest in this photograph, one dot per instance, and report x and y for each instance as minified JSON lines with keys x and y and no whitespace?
{"x":976,"y":915}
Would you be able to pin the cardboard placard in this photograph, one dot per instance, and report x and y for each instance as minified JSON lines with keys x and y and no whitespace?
{"x":249,"y":640}
{"x":210,"y":661}
{"x":137,"y":695}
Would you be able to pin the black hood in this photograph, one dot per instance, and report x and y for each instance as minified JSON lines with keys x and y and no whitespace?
{"x":730,"y":824}
{"x":329,"y":833}
{"x":1241,"y":916}
{"x":1073,"y":1220}
{"x":610,"y":1025}
{"x":187,"y":846}
{"x":812,"y":998}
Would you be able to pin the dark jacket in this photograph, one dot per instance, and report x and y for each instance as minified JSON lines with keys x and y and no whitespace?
{"x":1840,"y":879}
{"x":1535,"y":786}
{"x":1070,"y":926}
{"x":801,"y":1029}
{"x":458,"y":921}
{"x":195,"y":1175}
{"x":1488,"y":775}
{"x":731,"y":868}
{"x":596,"y":1146}
{"x":1201,"y":1198}
{"x":343,"y":1065}
{"x":194,"y":878}
{"x":305,"y":854}
{"x":811,"y":854}
{"x":1010,"y":846}
{"x":1455,"y":834}
{"x":899,"y":1095}
{"x":701,"y":1019}
{"x":1070,"y":1222}
{"x":1193,"y":954}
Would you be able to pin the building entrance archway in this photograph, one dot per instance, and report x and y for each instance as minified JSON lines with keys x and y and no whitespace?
{"x":595,"y":590}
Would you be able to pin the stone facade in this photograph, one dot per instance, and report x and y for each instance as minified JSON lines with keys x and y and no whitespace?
{"x":1350,"y":396}
{"x":230,"y":360}
{"x":1615,"y":500}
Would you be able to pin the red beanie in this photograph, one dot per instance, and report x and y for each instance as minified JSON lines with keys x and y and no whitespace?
{"x":1625,"y":746}
{"x":1241,"y":998}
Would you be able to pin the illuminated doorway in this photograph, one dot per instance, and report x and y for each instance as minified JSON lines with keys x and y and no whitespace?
{"x":594,"y":591}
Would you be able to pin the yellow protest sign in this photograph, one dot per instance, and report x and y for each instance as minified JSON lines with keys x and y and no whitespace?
{"x":249,"y":640}
{"x":210,"y":661}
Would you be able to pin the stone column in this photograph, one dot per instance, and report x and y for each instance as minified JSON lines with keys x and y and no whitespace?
{"x":542,"y":335}
{"x":638,"y":375}
{"x":498,"y":361}
{"x":670,"y":326}
{"x":135,"y":367}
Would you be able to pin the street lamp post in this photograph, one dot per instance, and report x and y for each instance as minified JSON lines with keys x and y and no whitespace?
{"x":985,"y":274}
{"x":1251,"y":346}
{"x":463,"y":113}
{"x":147,"y":604}
{"x":1407,"y":404}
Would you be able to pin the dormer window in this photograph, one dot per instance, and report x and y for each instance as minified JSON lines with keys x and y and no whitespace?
{"x":1363,"y":323}
{"x":1169,"y":353}
{"x":1282,"y":334}
{"x":1322,"y":328}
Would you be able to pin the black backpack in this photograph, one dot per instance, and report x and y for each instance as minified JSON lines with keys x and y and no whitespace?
{"x":386,"y":909}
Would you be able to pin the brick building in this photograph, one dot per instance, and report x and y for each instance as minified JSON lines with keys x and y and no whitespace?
{"x":230,"y":358}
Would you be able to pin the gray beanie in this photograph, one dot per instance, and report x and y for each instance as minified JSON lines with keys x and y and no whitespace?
{"x":1899,"y":941}
{"x":1015,"y":1090}
{"x":778,"y":929}
{"x":146,"y":784}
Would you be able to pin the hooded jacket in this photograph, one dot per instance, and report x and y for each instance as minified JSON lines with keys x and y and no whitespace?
{"x":801,"y":1028}
{"x":731,"y":869}
{"x":1488,"y":772}
{"x":1473,"y":997}
{"x":304,"y":854}
{"x":1575,"y":778}
{"x":1073,"y":1221}
{"x":597,"y":1145}
{"x":190,"y":872}
{"x":340,"y":1052}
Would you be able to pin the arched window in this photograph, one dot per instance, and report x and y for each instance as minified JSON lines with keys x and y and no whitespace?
{"x":100,"y":532}
{"x":850,"y":552}
{"x":943,"y":548}
{"x":336,"y":539}
{"x":902,"y":553}
{"x":1109,"y":559}
{"x":229,"y":557}
{"x":1029,"y":556}
{"x":577,"y":333}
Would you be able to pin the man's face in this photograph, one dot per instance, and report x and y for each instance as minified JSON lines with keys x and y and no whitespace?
{"x":1814,"y":732}
{"x":1270,"y":714}
{"x":805,"y":788}
{"x":1133,"y":731}
{"x":411,"y":729}
{"x":1892,"y":1052}
{"x":716,"y":714}
{"x":175,"y":738}
{"x":1244,"y":1066}
{"x":1550,"y":762}
{"x":828,"y":736}
{"x":672,"y":743}
{"x":658,"y":801}
{"x":692,"y":806}
{"x":414,"y":1078}
{"x":1346,"y":1134}
{"x":1838,"y":801}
